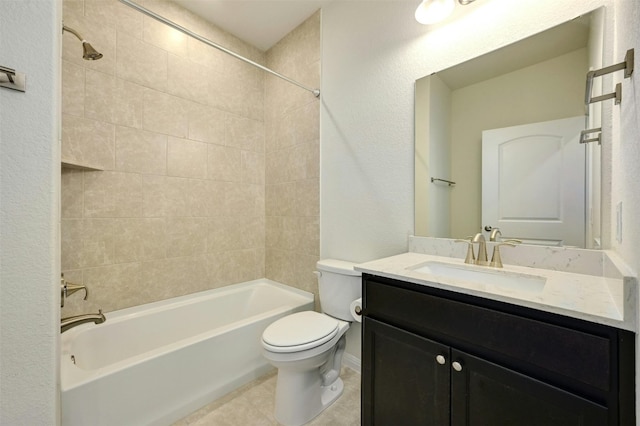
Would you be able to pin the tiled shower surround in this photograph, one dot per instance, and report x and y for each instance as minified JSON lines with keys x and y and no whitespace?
{"x":209,"y":167}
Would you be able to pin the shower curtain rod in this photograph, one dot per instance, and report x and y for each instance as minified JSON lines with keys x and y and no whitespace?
{"x":316,"y":92}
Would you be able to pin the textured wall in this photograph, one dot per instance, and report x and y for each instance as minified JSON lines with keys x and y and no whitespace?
{"x":292,"y":121}
{"x":369,"y":65}
{"x":29,"y":194}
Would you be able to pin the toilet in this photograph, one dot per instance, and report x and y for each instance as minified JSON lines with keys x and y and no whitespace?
{"x":307,"y":347}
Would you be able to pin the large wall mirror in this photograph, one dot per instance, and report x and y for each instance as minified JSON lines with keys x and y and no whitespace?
{"x":498,"y":141}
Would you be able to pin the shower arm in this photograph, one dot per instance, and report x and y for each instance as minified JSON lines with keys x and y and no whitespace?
{"x":74,"y":32}
{"x":316,"y":92}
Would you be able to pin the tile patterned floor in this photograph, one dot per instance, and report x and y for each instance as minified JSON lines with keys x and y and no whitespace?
{"x":253,"y":404}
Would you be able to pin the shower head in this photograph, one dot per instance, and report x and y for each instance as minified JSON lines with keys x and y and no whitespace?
{"x":89,"y":53}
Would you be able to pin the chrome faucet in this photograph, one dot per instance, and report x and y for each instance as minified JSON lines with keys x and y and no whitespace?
{"x":70,"y":322}
{"x":482,"y":249}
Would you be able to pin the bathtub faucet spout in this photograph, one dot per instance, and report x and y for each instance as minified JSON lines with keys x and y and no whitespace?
{"x":70,"y":322}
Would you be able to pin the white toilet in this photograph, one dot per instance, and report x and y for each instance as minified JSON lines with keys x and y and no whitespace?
{"x":307,"y":347}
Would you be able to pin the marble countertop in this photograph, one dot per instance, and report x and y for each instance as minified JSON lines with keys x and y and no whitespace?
{"x":599,"y":299}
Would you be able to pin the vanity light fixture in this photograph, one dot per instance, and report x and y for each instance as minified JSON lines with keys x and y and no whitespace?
{"x":434,"y":11}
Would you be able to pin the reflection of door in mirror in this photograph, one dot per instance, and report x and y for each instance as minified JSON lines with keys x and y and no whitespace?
{"x":538,"y":79}
{"x":533,"y":185}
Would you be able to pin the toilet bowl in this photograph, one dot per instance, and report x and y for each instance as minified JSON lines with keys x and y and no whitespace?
{"x":307,"y":347}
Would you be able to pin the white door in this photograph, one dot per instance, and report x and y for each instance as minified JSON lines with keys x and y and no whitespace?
{"x":533,"y":182}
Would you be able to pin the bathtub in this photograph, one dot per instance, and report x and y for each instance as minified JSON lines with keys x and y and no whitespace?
{"x":156,"y":363}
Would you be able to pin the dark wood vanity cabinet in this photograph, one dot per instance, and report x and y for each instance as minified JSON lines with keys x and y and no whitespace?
{"x":434,"y":357}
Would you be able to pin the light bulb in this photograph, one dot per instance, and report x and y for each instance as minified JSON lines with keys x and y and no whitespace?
{"x":433,"y":11}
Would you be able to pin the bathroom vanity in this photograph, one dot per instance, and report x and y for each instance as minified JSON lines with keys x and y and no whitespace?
{"x":439,"y":350}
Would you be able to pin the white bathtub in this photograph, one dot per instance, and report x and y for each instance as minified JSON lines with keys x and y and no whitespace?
{"x":154,"y":364}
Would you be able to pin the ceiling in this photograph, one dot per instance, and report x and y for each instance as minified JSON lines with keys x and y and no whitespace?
{"x":261,"y":23}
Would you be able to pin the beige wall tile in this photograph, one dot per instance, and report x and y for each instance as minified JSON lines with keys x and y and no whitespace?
{"x":187,"y":79}
{"x":88,"y":142}
{"x":224,"y":163}
{"x":235,"y":233}
{"x":244,"y":199}
{"x":154,"y":196}
{"x":253,"y":168}
{"x":86,"y":243}
{"x":232,"y":267}
{"x":186,"y":158}
{"x":112,"y":194}
{"x":307,"y":125}
{"x":71,"y":194}
{"x":307,"y":197}
{"x":140,"y":62}
{"x":211,"y":58}
{"x":186,"y":236}
{"x":164,"y":37}
{"x":292,"y":160}
{"x":137,"y":239}
{"x":140,"y":151}
{"x":280,"y":266}
{"x":173,"y":277}
{"x":177,"y":197}
{"x":73,"y":81}
{"x":166,"y":113}
{"x":245,"y":133}
{"x":113,"y":100}
{"x":115,"y":14}
{"x":207,"y":124}
{"x":280,"y":199}
{"x":284,"y":132}
{"x":73,"y":9}
{"x":114,"y":287}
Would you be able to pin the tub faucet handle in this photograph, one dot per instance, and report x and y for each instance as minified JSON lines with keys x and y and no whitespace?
{"x":67,"y":289}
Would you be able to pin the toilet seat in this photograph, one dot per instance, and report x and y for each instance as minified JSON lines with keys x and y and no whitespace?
{"x":299,"y":332}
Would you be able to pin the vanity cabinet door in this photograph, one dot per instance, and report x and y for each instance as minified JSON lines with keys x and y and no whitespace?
{"x":483,"y":393}
{"x":405,"y":377}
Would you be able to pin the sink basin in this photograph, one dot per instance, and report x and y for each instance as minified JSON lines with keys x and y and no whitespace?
{"x":483,"y":276}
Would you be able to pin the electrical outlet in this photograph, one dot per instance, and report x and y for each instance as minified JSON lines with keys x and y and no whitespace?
{"x":619,"y":222}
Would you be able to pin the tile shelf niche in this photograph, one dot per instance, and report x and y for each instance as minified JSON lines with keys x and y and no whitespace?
{"x":72,"y":164}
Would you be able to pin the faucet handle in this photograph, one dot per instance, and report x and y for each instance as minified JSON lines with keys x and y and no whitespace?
{"x":67,"y":289}
{"x":470,"y":258}
{"x":496,"y":260}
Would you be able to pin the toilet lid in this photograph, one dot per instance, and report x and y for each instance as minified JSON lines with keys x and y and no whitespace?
{"x":300,"y":331}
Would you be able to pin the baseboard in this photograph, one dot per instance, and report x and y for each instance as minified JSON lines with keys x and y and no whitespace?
{"x":352,"y":362}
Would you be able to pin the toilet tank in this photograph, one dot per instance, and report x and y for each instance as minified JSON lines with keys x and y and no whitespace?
{"x":339,"y":285}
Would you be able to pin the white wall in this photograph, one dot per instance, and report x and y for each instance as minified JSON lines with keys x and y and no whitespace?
{"x":373,"y":51}
{"x":29,"y":194}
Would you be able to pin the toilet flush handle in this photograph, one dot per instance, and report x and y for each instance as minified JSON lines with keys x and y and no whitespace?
{"x":317,"y":273}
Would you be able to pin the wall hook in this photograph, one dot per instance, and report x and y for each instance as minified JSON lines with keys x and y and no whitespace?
{"x":626,"y":65}
{"x":10,"y":79}
{"x":597,"y":138}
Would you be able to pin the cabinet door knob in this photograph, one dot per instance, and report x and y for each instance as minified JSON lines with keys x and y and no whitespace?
{"x":440,"y":359}
{"x":456,"y":366}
